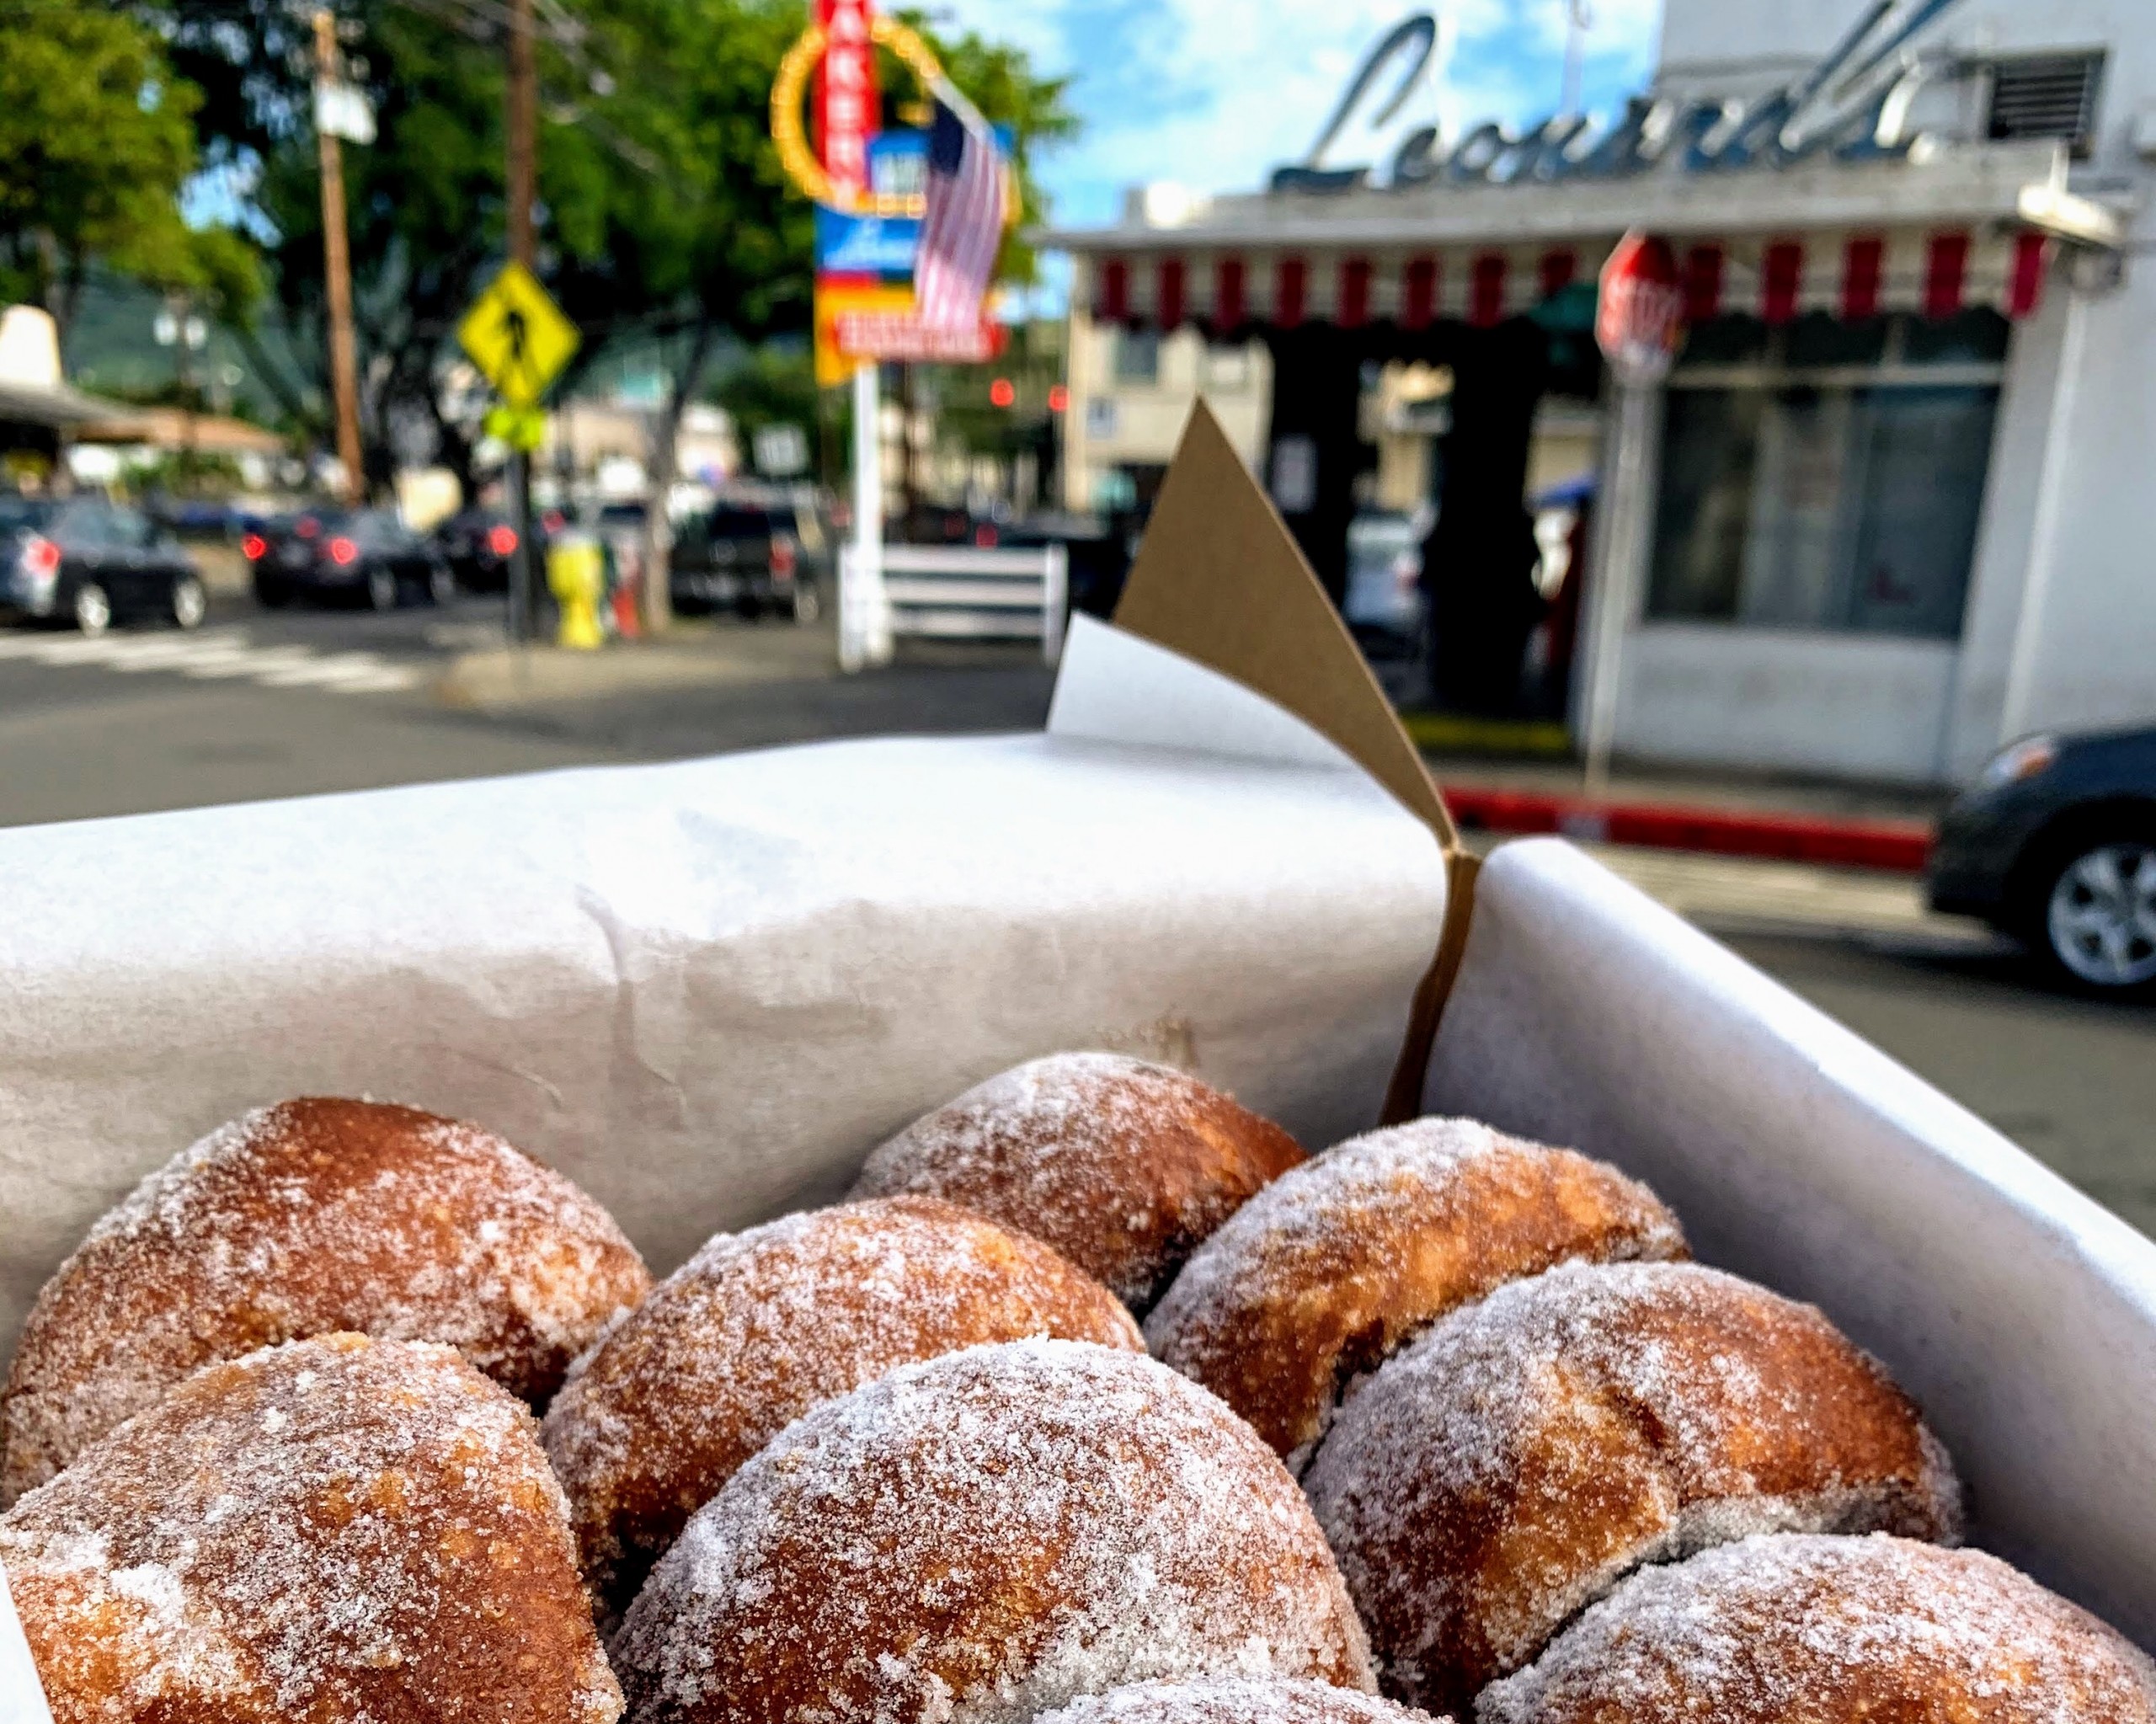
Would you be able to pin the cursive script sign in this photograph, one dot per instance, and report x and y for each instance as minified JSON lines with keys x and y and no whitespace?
{"x":1854,"y":106}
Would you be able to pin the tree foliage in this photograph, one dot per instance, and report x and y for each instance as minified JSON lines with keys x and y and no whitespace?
{"x":97,"y":142}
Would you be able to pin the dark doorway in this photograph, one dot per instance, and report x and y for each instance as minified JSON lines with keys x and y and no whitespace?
{"x":1479,"y":561}
{"x":1315,"y":452}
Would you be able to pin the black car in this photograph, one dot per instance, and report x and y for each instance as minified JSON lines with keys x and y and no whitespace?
{"x":754,"y":558}
{"x":478,"y":544}
{"x":85,"y":561}
{"x":2056,"y":845}
{"x":363,"y":554}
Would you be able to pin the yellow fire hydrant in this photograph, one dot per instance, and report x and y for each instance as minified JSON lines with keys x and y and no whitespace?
{"x":576,"y":571}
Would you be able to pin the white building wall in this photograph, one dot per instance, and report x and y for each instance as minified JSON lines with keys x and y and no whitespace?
{"x":1707,"y":43}
{"x":2021,"y":445}
{"x":1873,"y":707}
{"x":2061,"y":625}
{"x":2086,"y":645}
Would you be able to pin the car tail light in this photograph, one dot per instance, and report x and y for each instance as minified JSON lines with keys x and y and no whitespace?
{"x":501,"y":540}
{"x":781,"y":558}
{"x":41,"y":557}
{"x":342,"y":550}
{"x":307,"y":527}
{"x":985,"y":536}
{"x":253,"y":546}
{"x":553,"y":520}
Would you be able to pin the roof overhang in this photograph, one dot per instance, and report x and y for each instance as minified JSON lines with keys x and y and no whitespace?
{"x":58,"y":407}
{"x":1965,"y":186}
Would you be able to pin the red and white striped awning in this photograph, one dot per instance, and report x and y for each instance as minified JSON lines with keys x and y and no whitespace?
{"x":1858,"y":273}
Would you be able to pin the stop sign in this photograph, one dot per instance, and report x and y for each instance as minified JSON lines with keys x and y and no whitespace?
{"x":1639,"y":318}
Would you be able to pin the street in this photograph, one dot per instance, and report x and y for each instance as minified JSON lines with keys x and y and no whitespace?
{"x":262,"y":705}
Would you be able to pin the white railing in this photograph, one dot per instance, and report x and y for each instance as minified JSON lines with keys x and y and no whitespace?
{"x":950,"y":593}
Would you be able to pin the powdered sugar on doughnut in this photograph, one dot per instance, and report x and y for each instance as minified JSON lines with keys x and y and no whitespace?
{"x":1121,"y":1165}
{"x":1232,"y":1700}
{"x":1530,"y":1451}
{"x":308,"y":1218}
{"x":336,"y":1528}
{"x":1776,"y":1628}
{"x":985,"y":1536}
{"x":759,"y":1326}
{"x":1342,"y":1260}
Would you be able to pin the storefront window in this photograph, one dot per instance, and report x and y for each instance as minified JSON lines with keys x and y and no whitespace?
{"x":1138,"y":356}
{"x":1847,"y":502}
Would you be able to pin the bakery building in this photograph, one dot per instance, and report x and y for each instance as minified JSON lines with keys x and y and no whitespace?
{"x":1895,"y":497}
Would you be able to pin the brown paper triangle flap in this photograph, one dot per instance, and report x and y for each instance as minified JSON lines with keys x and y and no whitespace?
{"x":1220,"y":579}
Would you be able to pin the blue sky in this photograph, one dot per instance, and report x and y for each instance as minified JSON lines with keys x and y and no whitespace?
{"x":1213,"y":93}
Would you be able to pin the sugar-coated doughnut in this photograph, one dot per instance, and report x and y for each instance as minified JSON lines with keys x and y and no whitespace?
{"x":309,"y":1218}
{"x":339,"y":1530}
{"x":1530,"y":1451}
{"x":1233,"y":1700}
{"x":1832,"y":1630}
{"x":759,"y":1326}
{"x":1339,"y":1262}
{"x":1123,"y":1166}
{"x":982,"y":1537}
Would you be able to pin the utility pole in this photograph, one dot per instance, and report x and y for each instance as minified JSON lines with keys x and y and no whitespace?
{"x":522,"y":127}
{"x":336,"y":270}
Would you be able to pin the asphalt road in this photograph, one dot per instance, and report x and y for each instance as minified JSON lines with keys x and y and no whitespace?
{"x":259,"y":705}
{"x":298,"y":703}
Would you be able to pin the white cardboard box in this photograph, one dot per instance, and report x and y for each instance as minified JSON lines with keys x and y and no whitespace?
{"x":706,"y":990}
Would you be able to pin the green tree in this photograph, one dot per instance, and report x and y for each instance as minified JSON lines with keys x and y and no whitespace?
{"x":665,"y":215}
{"x":97,"y":141}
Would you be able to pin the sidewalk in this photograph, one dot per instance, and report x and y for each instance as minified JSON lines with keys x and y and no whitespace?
{"x":693,"y":654}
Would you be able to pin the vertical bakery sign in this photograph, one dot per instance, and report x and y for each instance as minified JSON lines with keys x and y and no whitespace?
{"x":847,"y":103}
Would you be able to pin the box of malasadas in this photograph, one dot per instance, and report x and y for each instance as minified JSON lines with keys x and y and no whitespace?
{"x":700,"y":996}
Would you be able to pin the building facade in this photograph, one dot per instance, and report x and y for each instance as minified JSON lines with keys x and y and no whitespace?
{"x":1894,"y":497}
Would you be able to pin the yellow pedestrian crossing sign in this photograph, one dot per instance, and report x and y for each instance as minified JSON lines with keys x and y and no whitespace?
{"x":517,"y":336}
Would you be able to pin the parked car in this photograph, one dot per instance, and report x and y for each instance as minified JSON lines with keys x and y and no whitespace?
{"x":1096,"y":556}
{"x":2056,"y":845}
{"x":478,"y":544}
{"x":1384,"y":603}
{"x":365,"y":554}
{"x":84,"y":560}
{"x":754,"y":558}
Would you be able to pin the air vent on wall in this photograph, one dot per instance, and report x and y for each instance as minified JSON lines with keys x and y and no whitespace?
{"x":2052,"y":95}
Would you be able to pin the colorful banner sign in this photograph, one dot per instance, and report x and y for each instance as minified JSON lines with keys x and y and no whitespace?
{"x":866,"y":244}
{"x":859,"y":321}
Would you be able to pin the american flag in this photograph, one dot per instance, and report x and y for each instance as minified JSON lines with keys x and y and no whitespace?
{"x":963,"y":228}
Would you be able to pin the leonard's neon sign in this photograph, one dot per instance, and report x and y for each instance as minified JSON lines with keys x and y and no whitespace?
{"x":1854,"y":106}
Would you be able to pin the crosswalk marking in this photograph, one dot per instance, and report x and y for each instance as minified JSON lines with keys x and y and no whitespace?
{"x":217,"y":655}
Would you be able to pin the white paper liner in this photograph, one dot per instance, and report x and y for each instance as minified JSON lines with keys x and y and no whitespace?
{"x":705,"y":990}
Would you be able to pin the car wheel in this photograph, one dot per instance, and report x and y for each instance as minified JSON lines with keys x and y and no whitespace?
{"x":2099,"y":914}
{"x":807,"y":603}
{"x":441,"y":584}
{"x":190,"y":603}
{"x":93,"y":608}
{"x":381,"y":588}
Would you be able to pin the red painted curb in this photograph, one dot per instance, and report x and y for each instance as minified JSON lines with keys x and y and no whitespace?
{"x":1899,"y":846}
